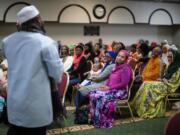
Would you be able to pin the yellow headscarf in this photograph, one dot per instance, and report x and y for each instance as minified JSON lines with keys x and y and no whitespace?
{"x":152,"y":70}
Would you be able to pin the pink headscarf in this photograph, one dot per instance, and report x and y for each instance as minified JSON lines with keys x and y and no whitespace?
{"x":126,"y":53}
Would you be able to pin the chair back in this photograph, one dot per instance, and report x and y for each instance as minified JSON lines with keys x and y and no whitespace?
{"x":63,"y":85}
{"x":172,"y":127}
{"x":130,"y":84}
{"x":124,"y":103}
{"x":88,"y":68}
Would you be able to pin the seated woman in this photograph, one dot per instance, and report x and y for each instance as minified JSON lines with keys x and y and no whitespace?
{"x":149,"y":100}
{"x":66,"y":58}
{"x":97,"y":49}
{"x":76,"y":72}
{"x":88,"y":51}
{"x":151,"y":72}
{"x":155,"y":65}
{"x":103,"y":99}
{"x":96,"y":82}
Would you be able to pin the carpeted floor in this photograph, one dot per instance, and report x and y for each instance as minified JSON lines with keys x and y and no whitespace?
{"x":125,"y":123}
{"x":123,"y":126}
{"x":147,"y":127}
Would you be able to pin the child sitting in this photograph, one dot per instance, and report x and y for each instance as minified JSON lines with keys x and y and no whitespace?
{"x":97,"y":66}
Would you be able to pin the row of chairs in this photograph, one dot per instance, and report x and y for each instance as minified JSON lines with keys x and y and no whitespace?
{"x":121,"y":103}
{"x":63,"y":86}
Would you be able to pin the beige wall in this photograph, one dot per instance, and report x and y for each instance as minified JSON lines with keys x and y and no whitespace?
{"x":73,"y":33}
{"x":176,"y":37}
{"x":50,"y":10}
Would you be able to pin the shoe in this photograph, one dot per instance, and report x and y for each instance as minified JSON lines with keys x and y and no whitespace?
{"x":60,"y":121}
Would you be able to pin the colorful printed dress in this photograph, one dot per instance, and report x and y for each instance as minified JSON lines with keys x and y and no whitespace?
{"x":103,"y":106}
{"x":149,"y":100}
{"x":103,"y":103}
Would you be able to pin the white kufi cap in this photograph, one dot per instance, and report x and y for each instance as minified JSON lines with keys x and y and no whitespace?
{"x":27,"y":13}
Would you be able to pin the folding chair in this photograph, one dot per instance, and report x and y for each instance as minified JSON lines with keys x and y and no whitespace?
{"x":86,"y":71}
{"x":172,"y":97}
{"x":62,"y":87}
{"x":124,"y":103}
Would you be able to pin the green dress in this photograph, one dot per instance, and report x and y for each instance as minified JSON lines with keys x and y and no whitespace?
{"x":149,"y":101}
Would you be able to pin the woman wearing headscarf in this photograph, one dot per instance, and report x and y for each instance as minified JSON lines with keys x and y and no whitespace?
{"x":152,"y":71}
{"x":88,"y":51}
{"x":155,"y":65}
{"x":97,"y":50}
{"x":77,"y":70}
{"x":96,"y":82}
{"x":66,"y":58}
{"x":103,"y":100}
{"x":149,"y":100}
{"x":153,"y":45}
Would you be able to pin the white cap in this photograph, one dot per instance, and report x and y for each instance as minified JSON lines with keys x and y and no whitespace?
{"x":27,"y":13}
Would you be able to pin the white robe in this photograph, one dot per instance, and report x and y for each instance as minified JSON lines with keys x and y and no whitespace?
{"x":32,"y":59}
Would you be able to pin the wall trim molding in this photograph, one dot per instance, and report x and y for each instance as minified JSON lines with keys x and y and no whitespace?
{"x":12,"y":5}
{"x":77,"y":5}
{"x":112,"y":10}
{"x":160,"y":9}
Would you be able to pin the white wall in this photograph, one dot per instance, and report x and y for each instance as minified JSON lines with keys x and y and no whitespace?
{"x":73,"y":33}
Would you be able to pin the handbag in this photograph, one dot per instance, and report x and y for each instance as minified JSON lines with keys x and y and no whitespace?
{"x":81,"y":116}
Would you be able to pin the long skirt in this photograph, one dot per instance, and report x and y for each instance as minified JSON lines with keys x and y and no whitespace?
{"x":149,"y":100}
{"x":103,"y":106}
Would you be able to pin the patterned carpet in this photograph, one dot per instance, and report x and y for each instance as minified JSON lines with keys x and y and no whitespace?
{"x":75,"y":128}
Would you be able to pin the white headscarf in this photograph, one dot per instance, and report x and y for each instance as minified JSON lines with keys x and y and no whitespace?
{"x":174,"y":47}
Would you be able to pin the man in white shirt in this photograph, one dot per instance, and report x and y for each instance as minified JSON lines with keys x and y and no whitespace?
{"x":32,"y":58}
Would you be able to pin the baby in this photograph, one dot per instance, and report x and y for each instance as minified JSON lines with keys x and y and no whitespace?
{"x":96,"y":69}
